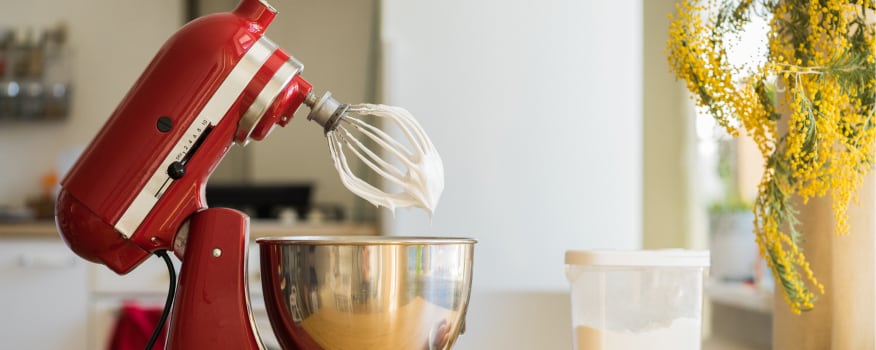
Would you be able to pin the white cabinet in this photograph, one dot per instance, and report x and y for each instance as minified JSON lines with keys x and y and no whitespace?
{"x":43,"y":298}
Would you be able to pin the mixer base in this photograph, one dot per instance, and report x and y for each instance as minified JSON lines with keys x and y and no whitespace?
{"x":211,"y":307}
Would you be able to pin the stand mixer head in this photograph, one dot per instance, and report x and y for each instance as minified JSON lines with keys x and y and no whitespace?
{"x":216,"y":82}
{"x":139,"y":186}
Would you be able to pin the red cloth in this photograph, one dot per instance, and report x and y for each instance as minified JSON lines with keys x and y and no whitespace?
{"x":135,"y":326}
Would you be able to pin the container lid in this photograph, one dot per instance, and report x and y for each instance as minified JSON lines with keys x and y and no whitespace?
{"x":665,"y":257}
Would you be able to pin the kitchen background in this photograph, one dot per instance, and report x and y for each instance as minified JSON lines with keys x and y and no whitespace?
{"x":558,"y":121}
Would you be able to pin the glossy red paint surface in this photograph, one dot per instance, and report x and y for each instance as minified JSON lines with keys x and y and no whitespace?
{"x":281,"y":111}
{"x":211,"y":309}
{"x":93,"y":239}
{"x":178,"y":83}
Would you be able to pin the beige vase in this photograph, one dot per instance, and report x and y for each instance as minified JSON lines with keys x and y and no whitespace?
{"x":843,"y":318}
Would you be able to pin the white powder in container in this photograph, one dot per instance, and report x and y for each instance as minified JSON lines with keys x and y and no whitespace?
{"x":682,"y":334}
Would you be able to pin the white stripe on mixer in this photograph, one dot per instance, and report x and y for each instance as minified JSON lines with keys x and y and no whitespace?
{"x":213,"y":112}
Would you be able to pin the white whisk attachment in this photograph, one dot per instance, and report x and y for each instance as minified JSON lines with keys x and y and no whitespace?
{"x":407,"y":161}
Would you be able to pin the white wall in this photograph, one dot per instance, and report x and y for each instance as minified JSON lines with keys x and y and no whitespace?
{"x":672,"y":214}
{"x":113,"y":41}
{"x":536,"y":108}
{"x":332,"y":38}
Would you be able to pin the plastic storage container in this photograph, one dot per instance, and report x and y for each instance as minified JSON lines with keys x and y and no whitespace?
{"x":637,"y":299}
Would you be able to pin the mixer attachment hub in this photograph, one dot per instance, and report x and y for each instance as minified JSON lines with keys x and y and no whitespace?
{"x":325,"y":111}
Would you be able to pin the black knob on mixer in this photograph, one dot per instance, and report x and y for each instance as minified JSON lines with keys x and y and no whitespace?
{"x":176,"y":170}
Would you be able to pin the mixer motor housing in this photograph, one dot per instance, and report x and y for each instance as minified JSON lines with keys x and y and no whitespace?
{"x":216,"y":82}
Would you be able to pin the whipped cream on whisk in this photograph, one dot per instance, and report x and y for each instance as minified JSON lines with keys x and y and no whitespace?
{"x":400,"y":153}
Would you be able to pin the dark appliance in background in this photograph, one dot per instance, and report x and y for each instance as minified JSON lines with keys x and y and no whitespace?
{"x":262,"y":201}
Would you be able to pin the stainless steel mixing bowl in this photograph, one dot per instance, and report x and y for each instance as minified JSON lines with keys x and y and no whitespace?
{"x":360,"y":293}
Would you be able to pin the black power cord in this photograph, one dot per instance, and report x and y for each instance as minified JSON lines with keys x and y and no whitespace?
{"x":169,"y":302}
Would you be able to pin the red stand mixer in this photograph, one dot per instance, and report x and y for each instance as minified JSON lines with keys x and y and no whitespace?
{"x":215,"y":82}
{"x":139,"y":187}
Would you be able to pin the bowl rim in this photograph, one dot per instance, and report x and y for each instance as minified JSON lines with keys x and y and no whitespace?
{"x":363,"y":240}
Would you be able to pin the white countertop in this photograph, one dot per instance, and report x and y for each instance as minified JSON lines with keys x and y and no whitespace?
{"x":726,"y":344}
{"x":47,"y":229}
